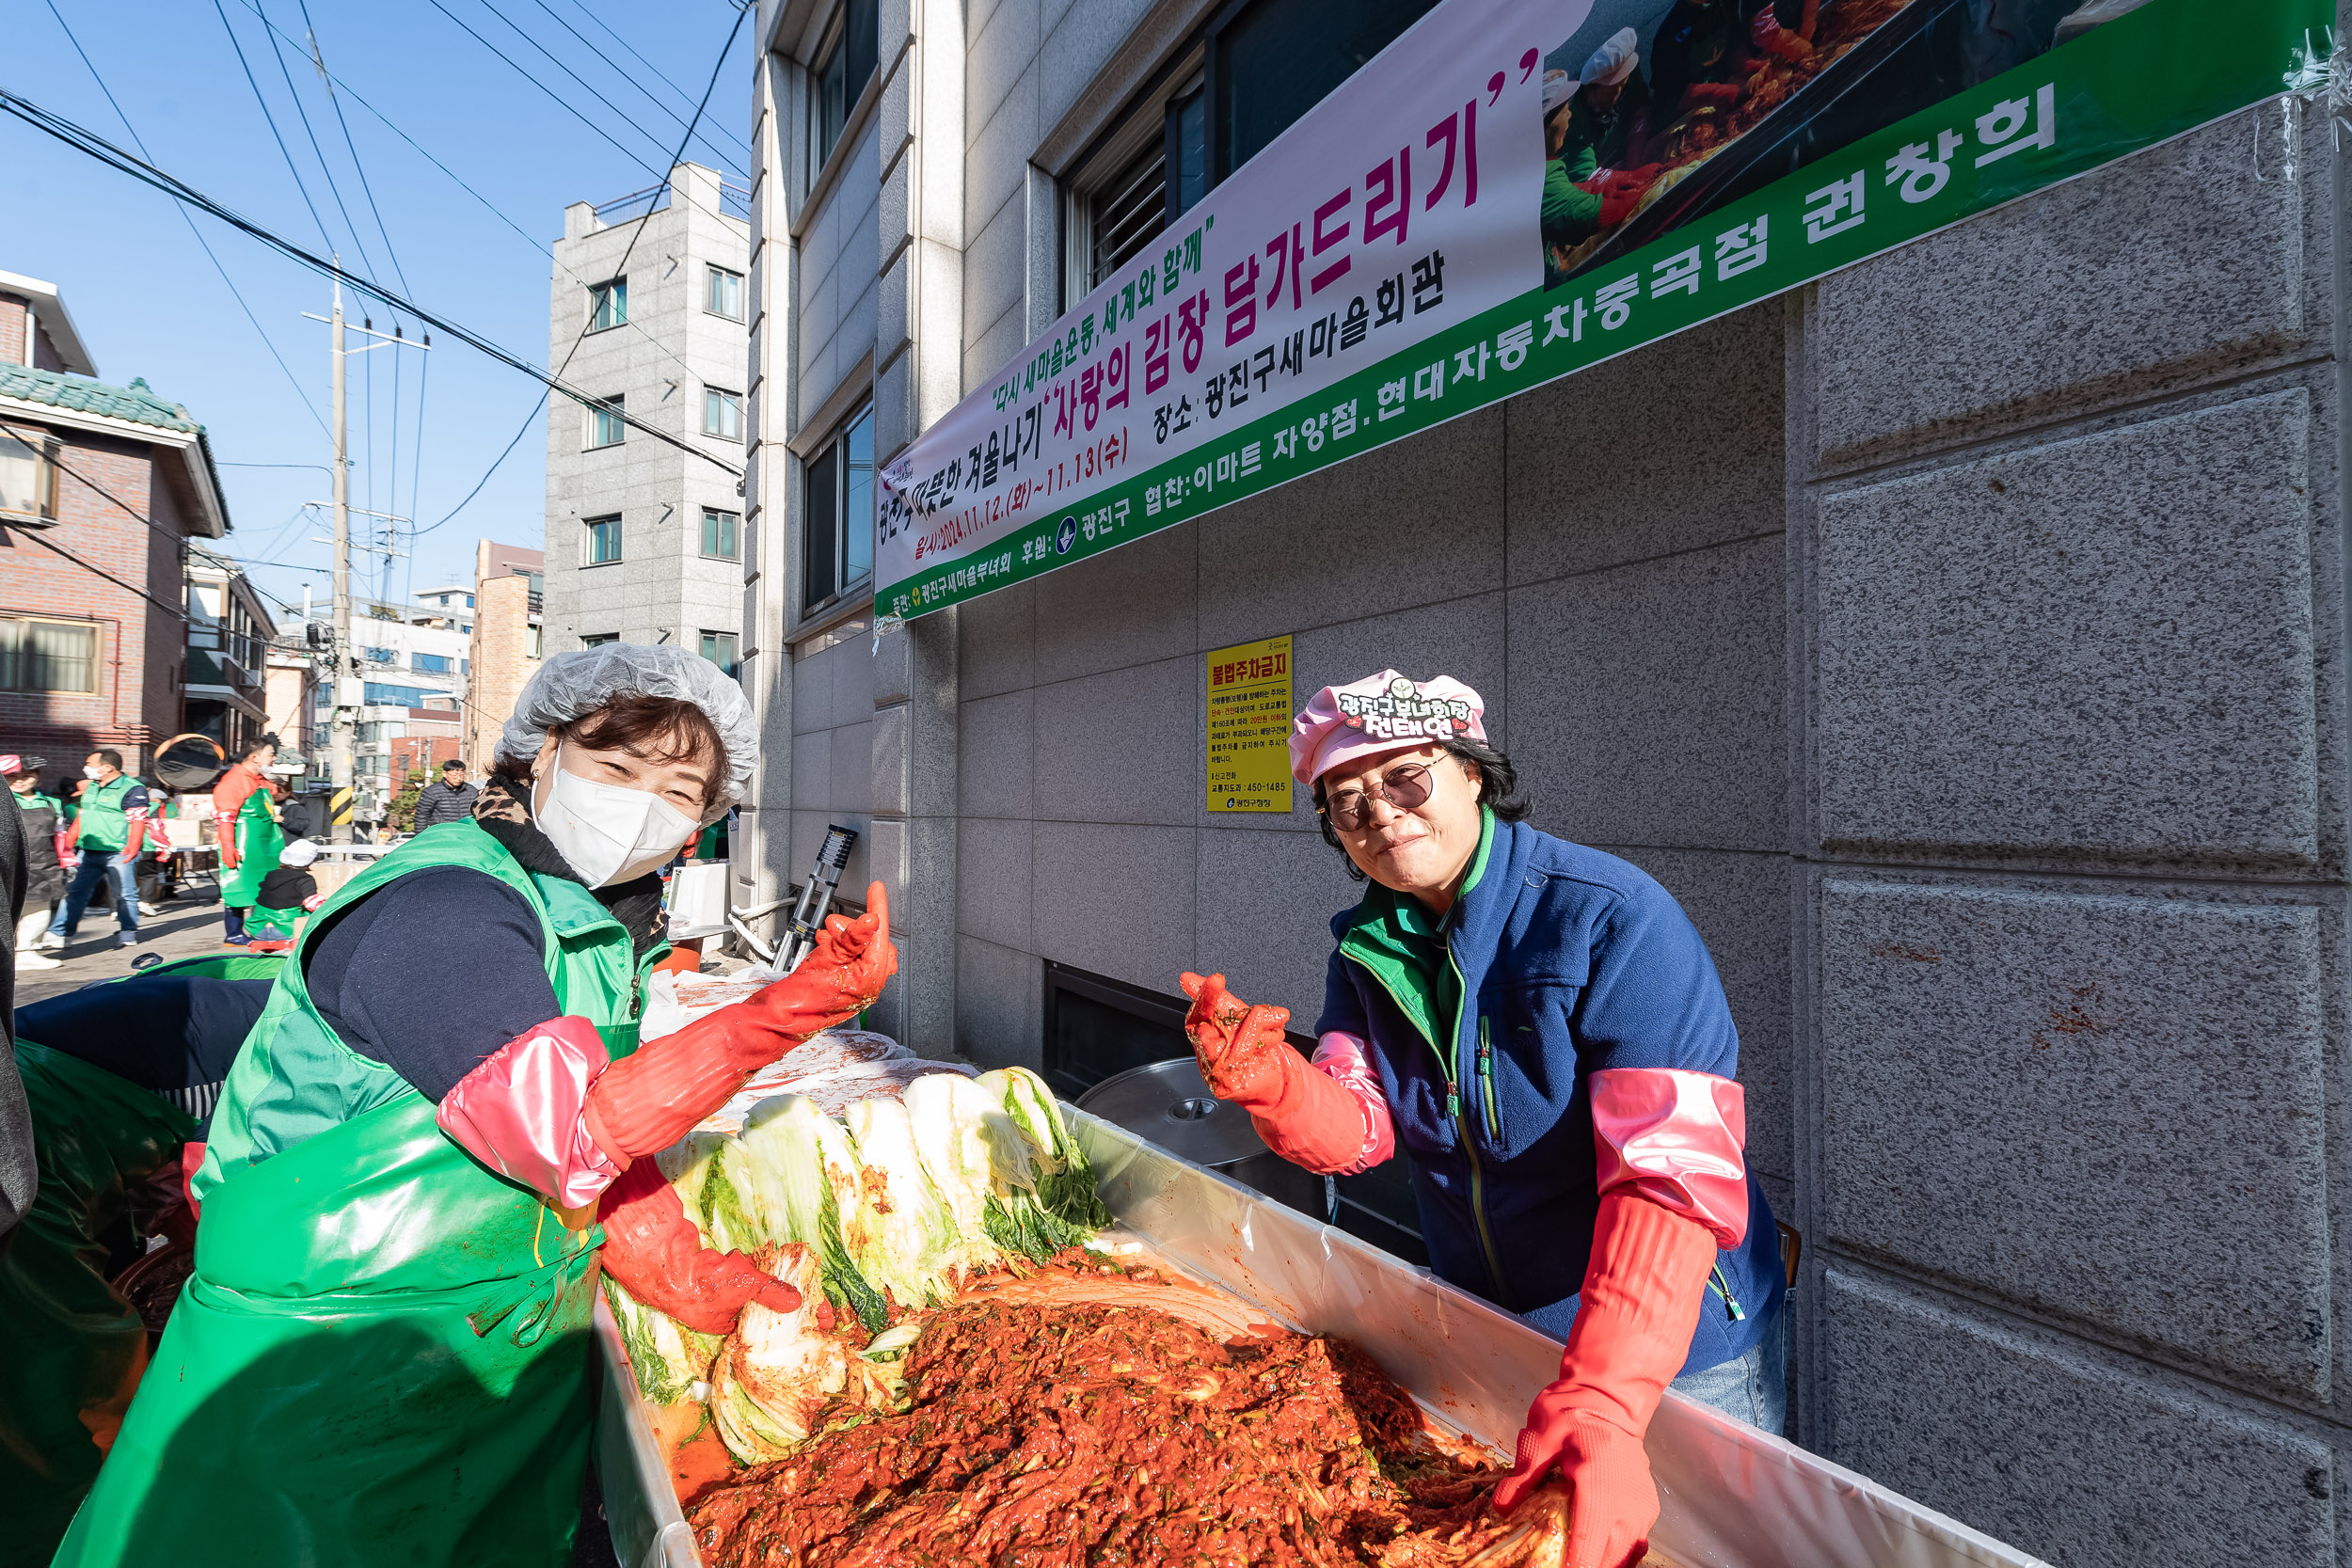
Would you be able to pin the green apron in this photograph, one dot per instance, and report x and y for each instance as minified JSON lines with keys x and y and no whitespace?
{"x":382,"y":1355}
{"x":263,"y":923}
{"x":260,"y":843}
{"x":76,"y":1348}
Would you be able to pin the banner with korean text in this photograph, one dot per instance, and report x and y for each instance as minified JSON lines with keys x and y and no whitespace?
{"x":1517,"y":189}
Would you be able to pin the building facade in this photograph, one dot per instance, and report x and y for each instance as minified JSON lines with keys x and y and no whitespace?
{"x":1969,"y":664}
{"x":646,"y":313}
{"x":102,"y":488}
{"x":508,"y":641}
{"x":231,"y":633}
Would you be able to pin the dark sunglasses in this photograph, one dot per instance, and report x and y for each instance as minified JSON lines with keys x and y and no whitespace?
{"x":1403,"y":787}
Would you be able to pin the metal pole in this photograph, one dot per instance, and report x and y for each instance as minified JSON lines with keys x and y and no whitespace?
{"x":347,"y":685}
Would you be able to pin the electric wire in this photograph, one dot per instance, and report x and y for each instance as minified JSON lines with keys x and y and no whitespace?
{"x":723,"y":154}
{"x":588,"y":88}
{"x":334,"y":186}
{"x":198,"y":234}
{"x":459,"y":182}
{"x":324,"y":238}
{"x":659,"y":74}
{"x":318,"y":57}
{"x":96,"y":146}
{"x":169,"y":608}
{"x":700,"y":109}
{"x":661,"y":176}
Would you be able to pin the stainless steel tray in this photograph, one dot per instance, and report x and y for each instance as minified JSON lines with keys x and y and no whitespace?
{"x":1733,"y":1497}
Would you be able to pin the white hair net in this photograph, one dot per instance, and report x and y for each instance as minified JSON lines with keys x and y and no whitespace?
{"x":1614,"y":61}
{"x":571,"y":686}
{"x":298,"y":854}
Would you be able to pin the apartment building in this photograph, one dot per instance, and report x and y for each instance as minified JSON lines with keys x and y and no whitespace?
{"x":508,"y":642}
{"x":230,"y":638}
{"x":1956,"y":635}
{"x":647,"y":312}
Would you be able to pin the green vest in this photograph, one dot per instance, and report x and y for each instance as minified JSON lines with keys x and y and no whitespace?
{"x":101,"y":824}
{"x":382,"y":1355}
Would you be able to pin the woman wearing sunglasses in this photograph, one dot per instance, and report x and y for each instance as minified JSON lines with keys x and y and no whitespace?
{"x":1538,"y":1026}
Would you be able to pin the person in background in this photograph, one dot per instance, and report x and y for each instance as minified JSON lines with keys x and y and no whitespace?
{"x":449,"y":798}
{"x":1585,"y":124}
{"x":109,"y":826}
{"x":288,"y":895}
{"x":1538,"y":1028}
{"x":44,"y":875}
{"x":247,"y":830}
{"x":155,"y":869}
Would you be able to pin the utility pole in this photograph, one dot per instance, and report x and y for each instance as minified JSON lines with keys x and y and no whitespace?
{"x":347,"y":690}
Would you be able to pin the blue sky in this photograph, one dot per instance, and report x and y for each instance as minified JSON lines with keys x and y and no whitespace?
{"x":149,"y":303}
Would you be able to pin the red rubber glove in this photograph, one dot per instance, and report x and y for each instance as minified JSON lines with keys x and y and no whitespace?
{"x":1643,"y":1289}
{"x":655,"y":1253}
{"x":651,"y":1098}
{"x":1707,"y":95}
{"x":1302,"y":1114}
{"x":1768,"y":35}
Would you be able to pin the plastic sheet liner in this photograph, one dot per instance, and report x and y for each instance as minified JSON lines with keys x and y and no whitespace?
{"x":1733,"y":1497}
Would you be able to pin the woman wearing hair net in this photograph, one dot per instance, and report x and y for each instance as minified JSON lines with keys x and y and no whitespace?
{"x":436,"y":1130}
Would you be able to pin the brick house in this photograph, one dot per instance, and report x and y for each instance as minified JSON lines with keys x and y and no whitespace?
{"x":507,"y":643}
{"x":101,"y":489}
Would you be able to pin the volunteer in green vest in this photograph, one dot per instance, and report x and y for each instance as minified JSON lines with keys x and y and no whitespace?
{"x":438,"y":1128}
{"x":250,"y":837}
{"x":109,"y":824}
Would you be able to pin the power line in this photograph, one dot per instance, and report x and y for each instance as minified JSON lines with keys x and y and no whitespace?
{"x":488,"y":204}
{"x":334,"y":188}
{"x":660,"y":174}
{"x":319,"y":58}
{"x":700,"y":109}
{"x":323,"y":237}
{"x":641,"y":59}
{"x":98,"y":148}
{"x":194,"y":231}
{"x":169,"y":609}
{"x":562,"y":102}
{"x":614,"y":66}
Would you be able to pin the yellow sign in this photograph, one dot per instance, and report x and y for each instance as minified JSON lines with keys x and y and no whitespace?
{"x":1249,"y":726}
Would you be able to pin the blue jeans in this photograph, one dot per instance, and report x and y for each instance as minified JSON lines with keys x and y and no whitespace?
{"x":1752,"y":1387}
{"x":98,"y":865}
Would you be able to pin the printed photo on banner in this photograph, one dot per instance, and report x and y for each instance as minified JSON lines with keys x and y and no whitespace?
{"x":1657,"y":112}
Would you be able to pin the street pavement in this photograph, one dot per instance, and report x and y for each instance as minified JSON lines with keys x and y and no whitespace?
{"x":188,"y":925}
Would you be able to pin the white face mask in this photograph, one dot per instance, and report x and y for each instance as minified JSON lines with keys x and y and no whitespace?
{"x":89,"y":772}
{"x":607,"y":832}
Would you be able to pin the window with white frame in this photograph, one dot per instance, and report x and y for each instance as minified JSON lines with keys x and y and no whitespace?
{"x":722,"y":292}
{"x":843,"y":63}
{"x":1246,"y":76}
{"x":722,"y":534}
{"x":837,"y":524}
{"x":598,"y":640}
{"x":42,"y":655}
{"x":607,"y":305}
{"x":28,"y":476}
{"x":600,"y":541}
{"x":605,"y":426}
{"x":429,"y":664}
{"x":723,"y":414}
{"x":718,"y":647}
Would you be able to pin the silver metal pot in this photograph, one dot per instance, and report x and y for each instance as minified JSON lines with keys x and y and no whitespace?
{"x":1168,"y":1103}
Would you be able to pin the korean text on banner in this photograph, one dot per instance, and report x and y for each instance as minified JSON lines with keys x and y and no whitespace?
{"x":1249,"y":722}
{"x":1510,"y":192}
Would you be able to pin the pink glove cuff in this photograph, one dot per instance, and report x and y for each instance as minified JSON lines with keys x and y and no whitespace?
{"x":519,"y":1112}
{"x":1677,"y":1138}
{"x":1340,"y":1058}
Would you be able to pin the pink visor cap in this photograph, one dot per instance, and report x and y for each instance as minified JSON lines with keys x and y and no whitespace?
{"x":1380,"y":713}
